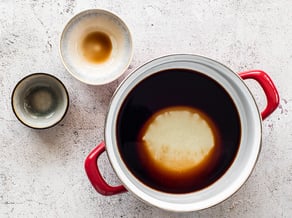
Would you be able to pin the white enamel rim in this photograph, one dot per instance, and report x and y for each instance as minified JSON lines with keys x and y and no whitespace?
{"x":250,"y":144}
{"x":115,"y":68}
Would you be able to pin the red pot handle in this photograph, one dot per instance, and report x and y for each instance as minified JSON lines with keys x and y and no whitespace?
{"x":269,"y":89}
{"x":94,"y":175}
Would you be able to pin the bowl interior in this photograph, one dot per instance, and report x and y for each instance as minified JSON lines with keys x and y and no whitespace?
{"x":104,"y":22}
{"x":40,"y":101}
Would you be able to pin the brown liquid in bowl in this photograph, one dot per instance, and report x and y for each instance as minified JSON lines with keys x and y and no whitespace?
{"x":96,"y":47}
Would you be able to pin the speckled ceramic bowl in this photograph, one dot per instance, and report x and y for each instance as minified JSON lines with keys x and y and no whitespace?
{"x":40,"y":101}
{"x":86,"y":22}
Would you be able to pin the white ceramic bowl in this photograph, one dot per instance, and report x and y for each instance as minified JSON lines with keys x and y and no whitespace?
{"x":86,"y":22}
{"x":40,"y":100}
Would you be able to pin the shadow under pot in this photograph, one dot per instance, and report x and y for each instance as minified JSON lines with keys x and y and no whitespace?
{"x":182,"y":133}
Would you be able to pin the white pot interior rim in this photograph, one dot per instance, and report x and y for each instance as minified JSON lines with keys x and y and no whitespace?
{"x":247,"y":154}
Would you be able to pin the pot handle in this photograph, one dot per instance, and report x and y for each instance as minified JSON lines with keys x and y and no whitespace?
{"x":269,"y":89}
{"x":94,"y":175}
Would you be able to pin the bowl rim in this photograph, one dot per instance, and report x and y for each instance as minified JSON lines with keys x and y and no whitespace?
{"x":112,"y":14}
{"x":41,"y":74}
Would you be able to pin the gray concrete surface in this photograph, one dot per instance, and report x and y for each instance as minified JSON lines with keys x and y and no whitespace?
{"x":41,"y":172}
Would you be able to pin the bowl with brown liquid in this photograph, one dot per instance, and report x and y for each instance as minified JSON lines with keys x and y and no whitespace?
{"x":96,"y":46}
{"x":183,"y":132}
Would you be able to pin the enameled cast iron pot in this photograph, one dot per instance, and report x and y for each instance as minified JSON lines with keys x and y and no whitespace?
{"x":245,"y":160}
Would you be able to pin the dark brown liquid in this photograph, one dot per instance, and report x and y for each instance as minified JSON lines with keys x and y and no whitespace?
{"x":96,"y":47}
{"x":178,"y":88}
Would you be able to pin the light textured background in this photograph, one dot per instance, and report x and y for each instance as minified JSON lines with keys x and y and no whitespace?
{"x":41,"y":172}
